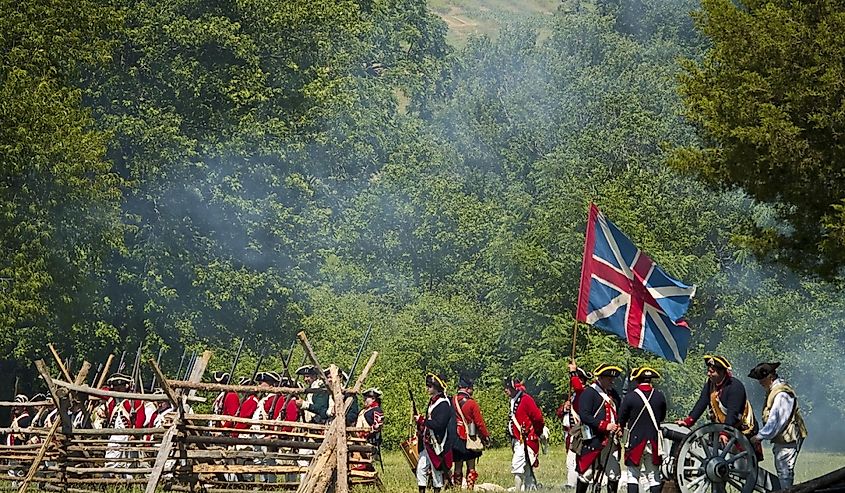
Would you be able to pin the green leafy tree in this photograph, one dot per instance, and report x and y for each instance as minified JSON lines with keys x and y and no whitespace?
{"x":59,"y":198}
{"x":767,"y":100}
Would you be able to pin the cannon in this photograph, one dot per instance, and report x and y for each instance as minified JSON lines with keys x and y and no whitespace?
{"x":698,"y":462}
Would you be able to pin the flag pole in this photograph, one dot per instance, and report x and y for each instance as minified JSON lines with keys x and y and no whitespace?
{"x":588,"y":240}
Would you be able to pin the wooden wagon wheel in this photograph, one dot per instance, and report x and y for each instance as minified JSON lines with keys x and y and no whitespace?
{"x":705,"y":465}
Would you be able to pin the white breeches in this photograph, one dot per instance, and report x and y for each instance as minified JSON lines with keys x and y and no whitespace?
{"x":424,"y":468}
{"x":571,"y":473}
{"x":785,"y":457}
{"x":647,"y":469}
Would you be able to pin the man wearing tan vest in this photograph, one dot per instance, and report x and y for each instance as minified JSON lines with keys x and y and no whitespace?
{"x":783,"y":424}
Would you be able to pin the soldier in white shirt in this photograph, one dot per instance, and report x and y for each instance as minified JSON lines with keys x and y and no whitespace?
{"x":783,"y":423}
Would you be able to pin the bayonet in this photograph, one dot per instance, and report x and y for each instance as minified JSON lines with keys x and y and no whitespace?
{"x":190,"y":366}
{"x":136,"y":370}
{"x":181,"y":361}
{"x":158,"y":363}
{"x":122,"y":363}
{"x":286,"y":361}
{"x":358,"y":356}
{"x":258,"y":364}
{"x":235,"y":361}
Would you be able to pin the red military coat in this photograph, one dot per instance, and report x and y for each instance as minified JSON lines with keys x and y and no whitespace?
{"x":528,"y":417}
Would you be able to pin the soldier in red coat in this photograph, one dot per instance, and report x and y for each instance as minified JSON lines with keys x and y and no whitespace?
{"x":248,"y":405}
{"x":470,"y":424}
{"x":525,"y":424}
{"x":568,"y":414}
{"x":226,"y":403}
{"x":123,"y":414}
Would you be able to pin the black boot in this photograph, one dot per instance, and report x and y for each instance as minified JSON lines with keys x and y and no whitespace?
{"x":422,"y":489}
{"x":612,"y":486}
{"x":656,"y":488}
{"x":633,"y":487}
{"x":581,"y":487}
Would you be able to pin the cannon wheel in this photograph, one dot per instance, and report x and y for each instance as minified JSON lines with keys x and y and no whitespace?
{"x":705,"y":465}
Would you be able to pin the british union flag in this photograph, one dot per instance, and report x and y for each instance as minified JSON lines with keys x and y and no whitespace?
{"x":624,"y":292}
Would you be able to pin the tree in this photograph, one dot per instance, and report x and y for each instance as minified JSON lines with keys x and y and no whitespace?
{"x":59,"y":198}
{"x":242,"y":128}
{"x":767,"y":99}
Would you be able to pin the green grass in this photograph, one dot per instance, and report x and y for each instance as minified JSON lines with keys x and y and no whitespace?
{"x":494,"y":467}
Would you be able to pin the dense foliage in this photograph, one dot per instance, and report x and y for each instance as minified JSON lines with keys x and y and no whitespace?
{"x":192,"y":173}
{"x":767,"y":98}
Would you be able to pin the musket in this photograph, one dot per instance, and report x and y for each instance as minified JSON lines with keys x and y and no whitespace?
{"x":286,"y":361}
{"x":414,"y":411}
{"x":122,"y":363}
{"x":136,"y":370}
{"x":181,"y":362}
{"x":358,"y":356}
{"x":235,"y":361}
{"x":158,"y":363}
{"x":97,"y":374}
{"x":379,"y":458}
{"x":529,"y":466}
{"x":258,"y":364}
{"x":190,"y":366}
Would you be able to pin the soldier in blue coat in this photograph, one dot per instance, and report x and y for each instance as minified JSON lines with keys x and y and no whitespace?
{"x":641,"y":413}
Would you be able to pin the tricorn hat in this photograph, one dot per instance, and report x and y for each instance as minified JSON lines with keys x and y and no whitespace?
{"x":286,"y":382}
{"x":271,"y":377}
{"x":245,"y":381}
{"x":436,"y":381}
{"x":763,"y":370}
{"x":119,"y":379}
{"x":221,"y":377}
{"x":583,"y":374}
{"x":606,"y":370}
{"x":307,"y":370}
{"x":39,"y":397}
{"x":718,"y":362}
{"x":373,"y":392}
{"x":21,"y":398}
{"x":644,"y":373}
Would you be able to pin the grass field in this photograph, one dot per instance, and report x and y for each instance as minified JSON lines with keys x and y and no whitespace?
{"x":494,"y":467}
{"x":471,"y":17}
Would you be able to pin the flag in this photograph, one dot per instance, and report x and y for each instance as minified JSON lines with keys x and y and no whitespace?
{"x":624,"y":292}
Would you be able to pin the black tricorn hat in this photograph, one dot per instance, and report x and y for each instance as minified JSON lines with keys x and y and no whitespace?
{"x":245,"y":381}
{"x":286,"y":382}
{"x":644,"y":373}
{"x":465,"y":382}
{"x":718,"y":362}
{"x":307,"y":370}
{"x":436,"y":381}
{"x":605,"y":370}
{"x":763,"y":370}
{"x":271,"y":377}
{"x":583,"y":374}
{"x":221,"y":377}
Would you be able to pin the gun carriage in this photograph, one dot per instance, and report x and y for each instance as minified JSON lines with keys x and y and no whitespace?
{"x":699,"y":462}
